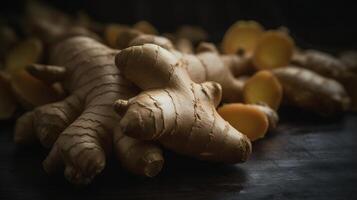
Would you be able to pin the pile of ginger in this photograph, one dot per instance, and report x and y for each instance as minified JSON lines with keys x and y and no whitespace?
{"x":87,"y":91}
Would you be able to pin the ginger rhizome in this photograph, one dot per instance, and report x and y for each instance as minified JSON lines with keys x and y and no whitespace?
{"x":247,"y":119}
{"x":242,"y":36}
{"x":331,"y":67}
{"x":175,"y":111}
{"x":263,"y":87}
{"x":79,"y":130}
{"x":206,"y":65}
{"x":311,"y":91}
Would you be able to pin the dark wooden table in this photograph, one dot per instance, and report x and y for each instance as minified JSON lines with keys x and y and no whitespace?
{"x":305,"y":158}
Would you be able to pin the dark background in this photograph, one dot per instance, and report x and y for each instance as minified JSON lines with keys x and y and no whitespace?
{"x":306,"y":157}
{"x":327,"y":25}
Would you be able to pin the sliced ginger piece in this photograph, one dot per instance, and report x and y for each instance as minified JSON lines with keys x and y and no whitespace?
{"x":32,"y":92}
{"x":111,"y":33}
{"x":145,"y":27}
{"x":245,"y":118}
{"x":242,"y":36}
{"x":25,"y":53}
{"x":265,"y":88}
{"x":7,"y":100}
{"x":274,"y":49}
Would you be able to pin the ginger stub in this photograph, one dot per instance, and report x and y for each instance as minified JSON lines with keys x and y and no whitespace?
{"x":242,"y":36}
{"x":265,"y":88}
{"x":245,"y":118}
{"x":274,"y":49}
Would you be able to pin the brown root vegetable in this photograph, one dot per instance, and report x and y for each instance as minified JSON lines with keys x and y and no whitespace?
{"x":145,"y":27}
{"x":247,"y":119}
{"x":7,"y":99}
{"x":26,"y":52}
{"x":206,"y":65}
{"x":242,"y":36}
{"x":349,"y":58}
{"x":175,"y":111}
{"x":195,"y":34}
{"x":80,"y":130}
{"x":308,"y":90}
{"x":265,"y":88}
{"x":273,"y":49}
{"x":184,"y":45}
{"x":331,"y":67}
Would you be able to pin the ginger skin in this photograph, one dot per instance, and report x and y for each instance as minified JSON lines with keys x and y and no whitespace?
{"x":307,"y":89}
{"x":175,"y":111}
{"x":80,"y":128}
{"x":331,"y":67}
{"x":206,"y":65}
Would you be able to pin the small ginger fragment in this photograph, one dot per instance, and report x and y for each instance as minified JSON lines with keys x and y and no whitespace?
{"x":32,"y":92}
{"x":265,"y":88}
{"x":273,"y":49}
{"x":7,"y":100}
{"x":23,"y":54}
{"x":247,"y":119}
{"x":242,"y":36}
{"x":146,"y":27}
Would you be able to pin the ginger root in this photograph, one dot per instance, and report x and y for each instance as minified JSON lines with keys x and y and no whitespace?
{"x":242,"y":36}
{"x":206,"y":65}
{"x":145,"y":27}
{"x":79,"y":130}
{"x":349,"y":58}
{"x":175,"y":111}
{"x":245,"y":118}
{"x":273,"y":49}
{"x":265,"y":88}
{"x":311,"y":91}
{"x":331,"y":67}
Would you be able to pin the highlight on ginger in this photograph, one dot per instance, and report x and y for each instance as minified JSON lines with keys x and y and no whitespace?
{"x":263,"y":87}
{"x":248,"y":119}
{"x":273,"y":49}
{"x":242,"y":36}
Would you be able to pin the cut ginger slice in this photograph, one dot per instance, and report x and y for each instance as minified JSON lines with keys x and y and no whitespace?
{"x":263,"y":87}
{"x":247,"y":119}
{"x":111,"y":33}
{"x":31,"y":92}
{"x":25,"y":53}
{"x":273,"y":49}
{"x":242,"y":36}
